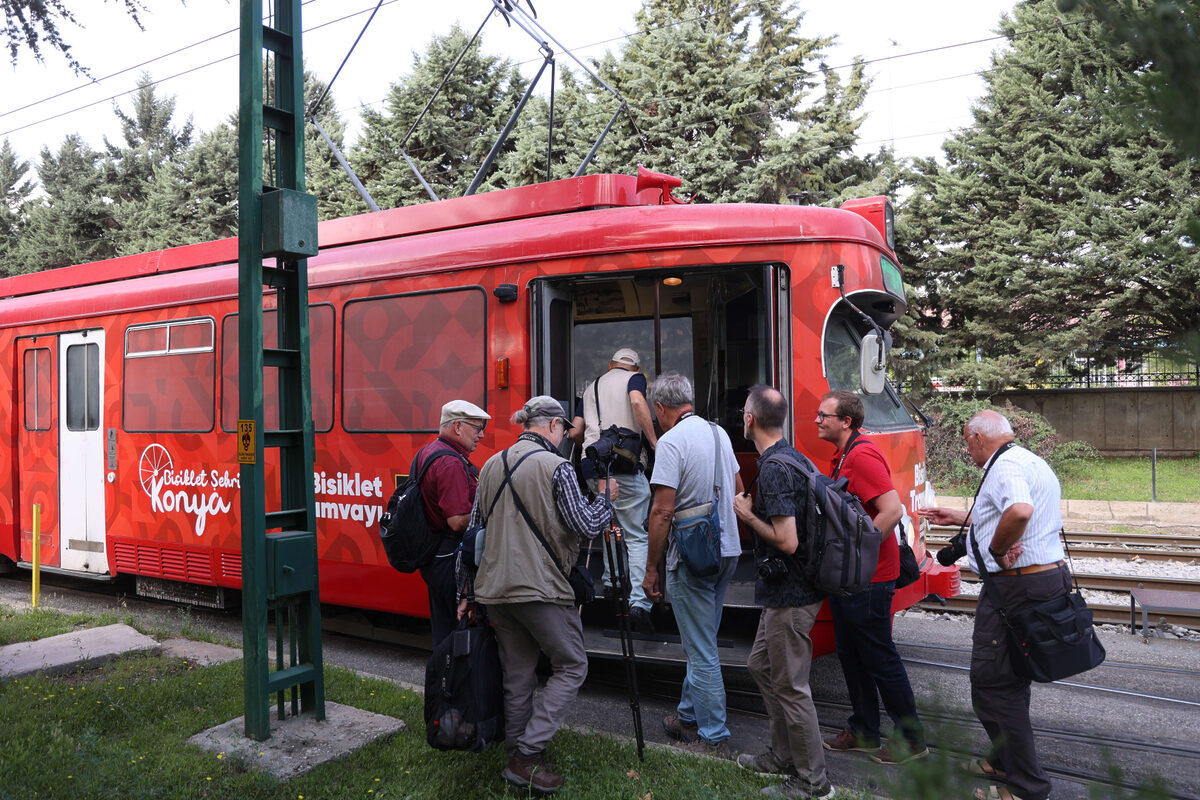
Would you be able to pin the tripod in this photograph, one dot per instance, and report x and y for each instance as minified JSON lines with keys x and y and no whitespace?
{"x":618,"y":570}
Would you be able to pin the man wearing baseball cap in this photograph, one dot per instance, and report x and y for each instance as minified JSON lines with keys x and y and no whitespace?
{"x":448,"y":490}
{"x":618,"y":398}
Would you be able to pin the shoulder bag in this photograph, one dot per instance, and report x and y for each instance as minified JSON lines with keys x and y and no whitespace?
{"x":697,"y":530}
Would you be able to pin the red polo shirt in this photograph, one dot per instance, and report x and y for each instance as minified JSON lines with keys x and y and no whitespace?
{"x":448,"y":488}
{"x":869,"y":477}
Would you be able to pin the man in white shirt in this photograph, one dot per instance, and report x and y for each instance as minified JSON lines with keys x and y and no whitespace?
{"x":1016,"y":522}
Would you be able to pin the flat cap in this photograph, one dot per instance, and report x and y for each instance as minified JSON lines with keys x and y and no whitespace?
{"x":546,"y":406}
{"x":625,"y":356}
{"x":461,"y":409}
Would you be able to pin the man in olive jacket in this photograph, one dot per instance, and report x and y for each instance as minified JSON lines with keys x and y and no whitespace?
{"x":528,"y":598}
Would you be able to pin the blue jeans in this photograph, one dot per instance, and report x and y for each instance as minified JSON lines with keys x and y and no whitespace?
{"x":632,"y":506}
{"x":862,"y":634}
{"x":698,"y":603}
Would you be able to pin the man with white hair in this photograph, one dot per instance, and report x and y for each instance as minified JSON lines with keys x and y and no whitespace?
{"x":448,"y":490}
{"x":618,"y":397}
{"x":1015,"y":525}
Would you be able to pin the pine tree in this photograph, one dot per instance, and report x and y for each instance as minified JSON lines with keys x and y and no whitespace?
{"x":451,"y":141}
{"x":1057,"y":229}
{"x":15,"y":190}
{"x":323,"y":175}
{"x":73,"y":222}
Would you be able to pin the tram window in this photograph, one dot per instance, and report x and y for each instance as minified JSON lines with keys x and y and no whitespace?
{"x":83,"y":387}
{"x":842,"y":348}
{"x":404,"y":356}
{"x":320,"y":369}
{"x":38,"y":389}
{"x":170,"y":371}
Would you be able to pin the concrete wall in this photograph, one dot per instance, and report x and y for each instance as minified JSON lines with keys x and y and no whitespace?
{"x":1119,"y":421}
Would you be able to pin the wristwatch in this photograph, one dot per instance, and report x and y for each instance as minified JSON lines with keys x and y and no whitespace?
{"x":996,"y":555}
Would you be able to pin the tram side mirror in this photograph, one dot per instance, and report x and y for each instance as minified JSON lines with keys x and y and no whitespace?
{"x":873,"y":367}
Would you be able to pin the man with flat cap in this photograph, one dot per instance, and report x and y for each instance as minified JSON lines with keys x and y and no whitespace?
{"x":618,"y":397}
{"x":448,"y":490}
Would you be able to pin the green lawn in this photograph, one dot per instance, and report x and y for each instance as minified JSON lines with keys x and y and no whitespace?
{"x":1178,"y":481}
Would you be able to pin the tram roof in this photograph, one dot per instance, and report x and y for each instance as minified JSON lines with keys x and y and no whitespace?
{"x":590,"y":192}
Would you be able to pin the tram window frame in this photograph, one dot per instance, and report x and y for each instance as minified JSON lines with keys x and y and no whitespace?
{"x":82,"y":401}
{"x":319,"y":389}
{"x":41,"y":380}
{"x":351,"y":394}
{"x":165,"y":349}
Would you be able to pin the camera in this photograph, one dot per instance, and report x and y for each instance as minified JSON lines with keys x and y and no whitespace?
{"x":772,"y":569}
{"x":615,"y":445}
{"x":953,"y":551}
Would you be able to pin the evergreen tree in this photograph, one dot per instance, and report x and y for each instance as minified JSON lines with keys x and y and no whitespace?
{"x":451,"y":141}
{"x":1056,"y":229}
{"x":15,"y":189}
{"x":323,"y":175}
{"x":72,"y":223}
{"x":32,"y":23}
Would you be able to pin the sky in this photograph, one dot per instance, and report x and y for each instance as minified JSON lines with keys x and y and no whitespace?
{"x":924,"y":56}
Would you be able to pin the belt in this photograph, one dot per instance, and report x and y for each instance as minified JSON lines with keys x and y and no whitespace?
{"x":1033,"y":570}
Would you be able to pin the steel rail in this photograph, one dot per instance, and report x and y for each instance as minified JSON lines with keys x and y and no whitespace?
{"x":940,"y":534}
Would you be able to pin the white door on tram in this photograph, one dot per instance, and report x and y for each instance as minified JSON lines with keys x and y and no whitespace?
{"x":81,"y":452}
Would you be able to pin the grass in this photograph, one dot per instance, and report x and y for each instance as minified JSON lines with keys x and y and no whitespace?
{"x":1178,"y":481}
{"x":121,"y":730}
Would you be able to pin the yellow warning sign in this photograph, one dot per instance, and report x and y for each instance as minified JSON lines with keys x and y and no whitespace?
{"x":245,"y":441}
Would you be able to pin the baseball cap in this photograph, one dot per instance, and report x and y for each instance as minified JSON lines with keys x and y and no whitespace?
{"x":625,"y":356}
{"x":546,"y":406}
{"x":461,"y":409}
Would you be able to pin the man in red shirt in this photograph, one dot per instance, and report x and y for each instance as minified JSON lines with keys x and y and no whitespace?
{"x":862,"y":623}
{"x":448,"y":490}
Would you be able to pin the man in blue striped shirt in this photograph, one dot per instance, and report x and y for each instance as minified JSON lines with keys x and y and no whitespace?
{"x":1016,"y":520}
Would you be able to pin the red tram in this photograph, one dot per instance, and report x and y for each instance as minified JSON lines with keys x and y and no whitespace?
{"x":119,"y":392}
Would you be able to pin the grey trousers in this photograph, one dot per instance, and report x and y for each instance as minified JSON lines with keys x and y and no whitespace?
{"x":1001,"y":699}
{"x":779,"y":662}
{"x":522,"y":631}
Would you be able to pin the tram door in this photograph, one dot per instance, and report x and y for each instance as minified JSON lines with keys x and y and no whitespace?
{"x":81,"y":451}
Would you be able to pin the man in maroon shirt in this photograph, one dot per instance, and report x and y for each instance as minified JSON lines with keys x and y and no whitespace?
{"x":448,"y":490}
{"x":862,"y":623}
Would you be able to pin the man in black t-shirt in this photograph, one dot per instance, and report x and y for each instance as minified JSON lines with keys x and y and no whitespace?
{"x":781,"y":656}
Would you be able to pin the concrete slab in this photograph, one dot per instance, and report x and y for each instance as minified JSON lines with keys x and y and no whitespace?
{"x":203,"y":653}
{"x":299,"y":743}
{"x":1088,"y":510}
{"x":1175,"y":514}
{"x":69,"y":651}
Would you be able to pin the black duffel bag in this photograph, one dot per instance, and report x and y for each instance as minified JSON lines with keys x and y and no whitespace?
{"x":464,"y":690}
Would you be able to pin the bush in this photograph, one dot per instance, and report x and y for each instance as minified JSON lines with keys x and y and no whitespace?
{"x":946,"y":455}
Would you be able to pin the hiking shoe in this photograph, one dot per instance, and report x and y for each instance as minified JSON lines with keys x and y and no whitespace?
{"x":765,"y":765}
{"x":719,"y":750}
{"x":797,"y":787}
{"x":902,"y":753}
{"x":847,"y":741}
{"x":531,"y":772}
{"x":639,"y":620}
{"x":679,"y":730}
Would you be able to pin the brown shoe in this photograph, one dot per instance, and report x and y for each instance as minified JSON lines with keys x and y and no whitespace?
{"x":531,"y":772}
{"x":701,"y":747}
{"x":847,"y":741}
{"x":679,"y":730}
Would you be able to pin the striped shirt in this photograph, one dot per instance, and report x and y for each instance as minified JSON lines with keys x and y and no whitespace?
{"x":1019,"y":476}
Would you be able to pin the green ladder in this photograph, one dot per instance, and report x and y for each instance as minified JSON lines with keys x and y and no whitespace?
{"x":279,"y":569}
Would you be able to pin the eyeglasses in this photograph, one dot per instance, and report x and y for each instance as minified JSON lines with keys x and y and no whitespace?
{"x":477,"y":428}
{"x":822,"y":416}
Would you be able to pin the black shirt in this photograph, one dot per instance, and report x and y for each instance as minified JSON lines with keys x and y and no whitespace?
{"x":778,"y":494}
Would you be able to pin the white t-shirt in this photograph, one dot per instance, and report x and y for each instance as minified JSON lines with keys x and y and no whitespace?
{"x":1019,"y":476}
{"x":683,"y":461}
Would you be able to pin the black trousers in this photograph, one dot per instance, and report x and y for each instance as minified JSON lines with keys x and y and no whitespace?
{"x":443,"y":602}
{"x":1000,"y":697}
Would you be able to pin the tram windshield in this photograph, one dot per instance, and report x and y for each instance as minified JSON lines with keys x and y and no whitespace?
{"x":843,"y":352}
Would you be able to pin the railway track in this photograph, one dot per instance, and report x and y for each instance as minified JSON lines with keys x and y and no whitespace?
{"x":940,"y":535}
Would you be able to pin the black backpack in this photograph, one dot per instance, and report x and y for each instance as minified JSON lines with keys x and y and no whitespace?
{"x":839,"y":550}
{"x":464,"y":690}
{"x":403,"y":528}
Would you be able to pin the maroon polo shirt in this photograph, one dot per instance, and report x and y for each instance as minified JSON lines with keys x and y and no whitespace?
{"x":448,"y":488}
{"x":868,"y":477}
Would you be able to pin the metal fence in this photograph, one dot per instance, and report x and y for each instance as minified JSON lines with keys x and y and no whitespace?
{"x":1151,"y":371}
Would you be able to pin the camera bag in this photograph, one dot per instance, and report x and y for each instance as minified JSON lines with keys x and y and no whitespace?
{"x":910,"y":571}
{"x":623,"y":445}
{"x":697,"y":530}
{"x":464,"y":690}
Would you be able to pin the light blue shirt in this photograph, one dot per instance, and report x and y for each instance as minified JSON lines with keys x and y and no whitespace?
{"x":1019,"y":476}
{"x":683,"y":461}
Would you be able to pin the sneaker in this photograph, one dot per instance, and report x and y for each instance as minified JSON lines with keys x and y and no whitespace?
{"x":765,"y":765}
{"x":679,"y":730}
{"x":847,"y":741}
{"x":901,"y":754}
{"x":797,"y":787}
{"x":531,"y":772}
{"x":703,"y":748}
{"x":639,"y":620}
